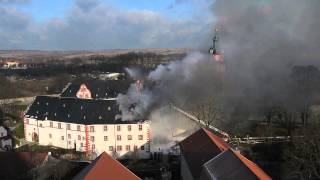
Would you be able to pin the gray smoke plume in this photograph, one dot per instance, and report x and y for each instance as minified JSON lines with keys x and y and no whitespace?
{"x":181,"y":82}
{"x":262,"y":41}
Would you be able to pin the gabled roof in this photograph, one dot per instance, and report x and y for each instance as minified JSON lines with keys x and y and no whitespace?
{"x":252,"y":166}
{"x":73,"y":110}
{"x":105,"y":167}
{"x":226,"y":166}
{"x":99,"y":89}
{"x":209,"y":157}
{"x":199,"y":148}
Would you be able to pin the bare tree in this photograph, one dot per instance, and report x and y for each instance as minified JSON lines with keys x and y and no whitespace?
{"x":303,"y":156}
{"x":208,"y":112}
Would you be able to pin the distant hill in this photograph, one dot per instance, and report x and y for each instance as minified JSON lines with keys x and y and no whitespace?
{"x":65,"y":55}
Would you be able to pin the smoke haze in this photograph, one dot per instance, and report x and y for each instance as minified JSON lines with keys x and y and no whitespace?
{"x":261,"y":42}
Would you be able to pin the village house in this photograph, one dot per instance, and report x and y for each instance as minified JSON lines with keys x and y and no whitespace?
{"x":105,"y":167}
{"x":205,"y":156}
{"x":5,"y":139}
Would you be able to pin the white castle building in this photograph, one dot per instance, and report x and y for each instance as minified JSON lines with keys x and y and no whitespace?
{"x":76,"y":120}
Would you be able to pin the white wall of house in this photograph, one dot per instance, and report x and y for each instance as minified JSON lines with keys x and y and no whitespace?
{"x":111,"y":138}
{"x":5,"y":143}
{"x":3,"y":132}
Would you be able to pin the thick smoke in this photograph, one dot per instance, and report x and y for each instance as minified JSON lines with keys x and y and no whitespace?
{"x":182,"y":82}
{"x":262,"y":42}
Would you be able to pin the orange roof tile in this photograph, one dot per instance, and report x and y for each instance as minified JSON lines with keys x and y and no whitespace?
{"x":105,"y":167}
{"x":253,"y":167}
{"x":223,"y":146}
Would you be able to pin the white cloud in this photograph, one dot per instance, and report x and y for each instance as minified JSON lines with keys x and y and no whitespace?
{"x":90,"y":24}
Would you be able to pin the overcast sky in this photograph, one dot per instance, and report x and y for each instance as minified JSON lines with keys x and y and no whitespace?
{"x":104,"y":24}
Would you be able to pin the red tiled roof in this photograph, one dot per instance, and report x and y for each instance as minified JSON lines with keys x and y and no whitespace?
{"x":253,"y":167}
{"x":198,"y":148}
{"x":203,"y":145}
{"x":105,"y":167}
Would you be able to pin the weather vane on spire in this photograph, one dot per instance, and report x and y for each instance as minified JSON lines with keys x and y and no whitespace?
{"x":214,"y":48}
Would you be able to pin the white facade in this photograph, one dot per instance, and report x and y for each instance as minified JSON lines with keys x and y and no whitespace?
{"x":5,"y":141}
{"x":119,"y":140}
{"x":3,"y":132}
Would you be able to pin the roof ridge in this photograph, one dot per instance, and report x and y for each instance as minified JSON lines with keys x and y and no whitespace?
{"x":254,"y":168}
{"x":222,"y":145}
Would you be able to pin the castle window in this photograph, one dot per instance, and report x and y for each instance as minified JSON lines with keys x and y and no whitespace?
{"x":118,"y":128}
{"x":68,"y":127}
{"x":105,"y":138}
{"x":119,"y":148}
{"x":140,"y":137}
{"x":69,"y":136}
{"x":119,"y":137}
{"x":129,"y":137}
{"x":40,"y":124}
{"x":51,"y":124}
{"x":105,"y":128}
{"x":135,"y":147}
{"x":92,"y":138}
{"x":69,"y":142}
{"x":79,"y":137}
{"x":78,"y":128}
{"x":127,"y":147}
{"x":91,"y":128}
{"x":110,"y":148}
{"x":62,"y":138}
{"x":129,"y":127}
{"x":140,"y":127}
{"x":59,"y":125}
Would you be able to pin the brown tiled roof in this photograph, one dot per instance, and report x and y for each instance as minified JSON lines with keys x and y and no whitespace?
{"x":203,"y":146}
{"x":105,"y":167}
{"x":198,"y":149}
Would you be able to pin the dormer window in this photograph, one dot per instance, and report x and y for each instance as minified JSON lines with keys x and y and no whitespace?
{"x":81,"y":107}
{"x":84,"y":117}
{"x":37,"y":112}
{"x":109,"y":108}
{"x":47,"y":104}
{"x":68,"y":115}
{"x":100,"y":117}
{"x":64,"y":105}
{"x":38,"y":102}
{"x":55,"y":114}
